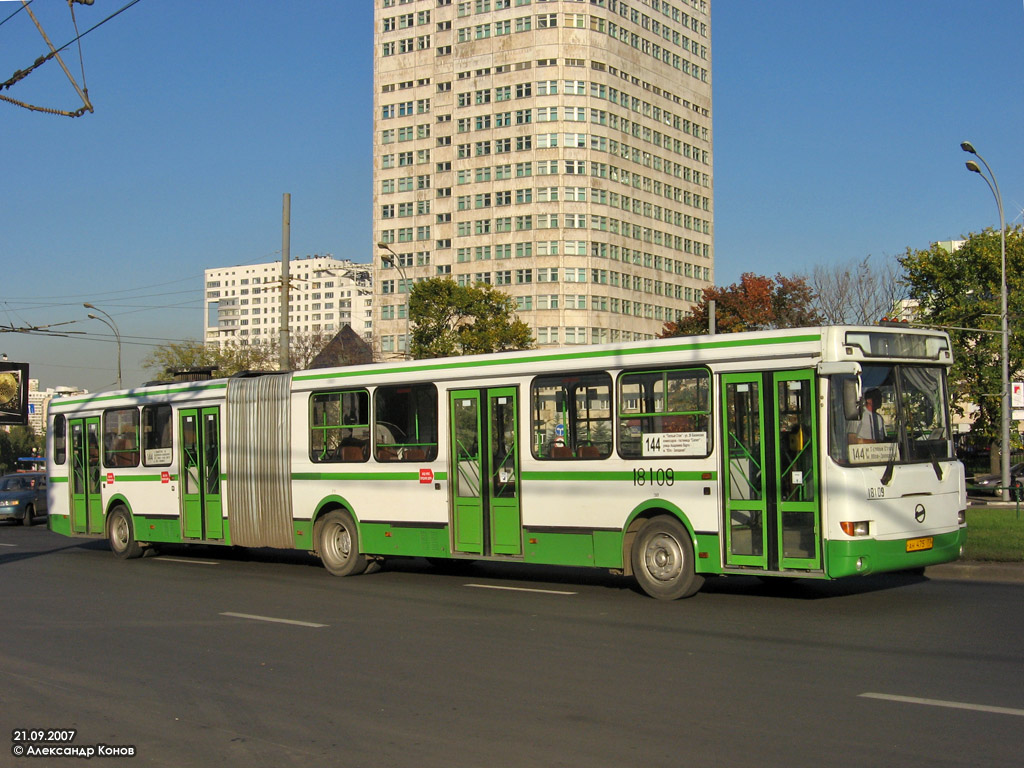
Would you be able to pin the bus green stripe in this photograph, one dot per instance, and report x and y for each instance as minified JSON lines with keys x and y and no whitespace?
{"x":148,"y":392}
{"x":486,"y":361}
{"x":414,"y":475}
{"x":627,"y":475}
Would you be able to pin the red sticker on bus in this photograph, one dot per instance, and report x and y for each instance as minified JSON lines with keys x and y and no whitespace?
{"x":165,"y":477}
{"x":110,"y":478}
{"x":426,"y":476}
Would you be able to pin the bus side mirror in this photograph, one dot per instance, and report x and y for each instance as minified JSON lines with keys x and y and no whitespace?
{"x":851,"y":399}
{"x":850,"y":371}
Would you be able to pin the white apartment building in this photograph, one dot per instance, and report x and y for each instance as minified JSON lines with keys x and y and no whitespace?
{"x":243,"y":304}
{"x":39,"y":402}
{"x":558,"y":149}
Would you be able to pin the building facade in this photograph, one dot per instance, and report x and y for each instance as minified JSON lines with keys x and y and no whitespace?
{"x":39,"y":403}
{"x":243,"y":304}
{"x":557,"y":149}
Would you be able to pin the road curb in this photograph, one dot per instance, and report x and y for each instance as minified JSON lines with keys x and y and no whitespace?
{"x":995,"y":573}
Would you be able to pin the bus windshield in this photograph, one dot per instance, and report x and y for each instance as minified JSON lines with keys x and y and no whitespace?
{"x":902,"y":417}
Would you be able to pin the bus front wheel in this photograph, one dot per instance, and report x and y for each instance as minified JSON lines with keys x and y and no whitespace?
{"x":662,"y":559}
{"x":338,"y":544}
{"x":122,"y":535}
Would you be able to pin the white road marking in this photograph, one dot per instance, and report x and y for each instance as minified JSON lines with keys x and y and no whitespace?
{"x":186,"y":560}
{"x":519,"y":589}
{"x":948,"y":704}
{"x":272,"y":619}
{"x":8,"y":545}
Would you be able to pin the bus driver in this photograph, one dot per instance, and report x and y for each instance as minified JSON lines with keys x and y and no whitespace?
{"x":870,"y":428}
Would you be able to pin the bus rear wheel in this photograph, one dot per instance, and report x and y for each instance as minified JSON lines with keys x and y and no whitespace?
{"x":662,"y":559}
{"x":122,"y":535}
{"x":338,"y":544}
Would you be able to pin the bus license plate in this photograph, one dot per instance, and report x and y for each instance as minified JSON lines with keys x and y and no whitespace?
{"x":916,"y":545}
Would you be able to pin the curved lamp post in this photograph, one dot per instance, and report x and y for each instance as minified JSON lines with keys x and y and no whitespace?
{"x":391,"y":258}
{"x":993,"y":185}
{"x":109,"y":322}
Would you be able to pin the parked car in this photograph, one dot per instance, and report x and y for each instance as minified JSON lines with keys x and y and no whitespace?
{"x":23,"y":496}
{"x":989,"y":484}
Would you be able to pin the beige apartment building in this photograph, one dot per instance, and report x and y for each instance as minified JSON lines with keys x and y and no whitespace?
{"x":557,"y":149}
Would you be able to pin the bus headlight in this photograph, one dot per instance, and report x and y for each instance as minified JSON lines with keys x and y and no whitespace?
{"x":859,"y":528}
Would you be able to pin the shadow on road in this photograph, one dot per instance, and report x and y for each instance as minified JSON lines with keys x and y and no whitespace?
{"x":503,"y":573}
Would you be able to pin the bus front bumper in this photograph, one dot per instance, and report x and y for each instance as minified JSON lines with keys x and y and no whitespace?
{"x":864,"y":556}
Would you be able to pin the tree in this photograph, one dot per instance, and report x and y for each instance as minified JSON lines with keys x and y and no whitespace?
{"x":14,"y":444}
{"x":858,"y":293}
{"x":959,"y":291}
{"x":755,"y":303}
{"x":233,"y":357}
{"x":228,"y":360}
{"x":450,"y":319}
{"x":305,"y":347}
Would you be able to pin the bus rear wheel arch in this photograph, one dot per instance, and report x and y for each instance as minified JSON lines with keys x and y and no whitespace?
{"x":121,"y":534}
{"x":662,"y":560}
{"x":337,"y":544}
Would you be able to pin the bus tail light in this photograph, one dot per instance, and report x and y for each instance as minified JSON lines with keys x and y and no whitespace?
{"x":961,"y":517}
{"x":859,"y":528}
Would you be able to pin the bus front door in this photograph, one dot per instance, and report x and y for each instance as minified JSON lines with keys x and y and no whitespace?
{"x":86,"y":476}
{"x":772,"y":509}
{"x":486,"y":516}
{"x":202,"y":508}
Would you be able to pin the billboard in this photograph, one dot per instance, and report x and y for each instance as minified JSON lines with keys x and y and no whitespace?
{"x":13,"y":393}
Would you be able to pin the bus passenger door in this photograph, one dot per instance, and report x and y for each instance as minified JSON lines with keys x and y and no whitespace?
{"x":86,"y":476}
{"x":486,"y":514}
{"x":202,"y":509}
{"x":796,"y":475}
{"x":744,"y":475}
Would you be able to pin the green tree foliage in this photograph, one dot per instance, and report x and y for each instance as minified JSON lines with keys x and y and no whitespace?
{"x":232,"y":359}
{"x":18,"y":442}
{"x":449,"y":319}
{"x":960,"y":290}
{"x":755,"y":303}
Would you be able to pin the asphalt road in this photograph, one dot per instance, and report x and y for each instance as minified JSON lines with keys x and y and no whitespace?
{"x":213,"y":657}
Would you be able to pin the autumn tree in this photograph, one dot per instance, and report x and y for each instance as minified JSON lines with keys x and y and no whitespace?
{"x":960,"y":291}
{"x":449,"y":319}
{"x":755,"y":303}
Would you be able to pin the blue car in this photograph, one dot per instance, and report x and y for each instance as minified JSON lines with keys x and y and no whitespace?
{"x":23,"y":496}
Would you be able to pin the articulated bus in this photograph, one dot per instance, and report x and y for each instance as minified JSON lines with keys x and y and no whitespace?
{"x":813,"y":453}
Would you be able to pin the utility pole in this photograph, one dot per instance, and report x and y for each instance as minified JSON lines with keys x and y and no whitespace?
{"x":284,"y":361}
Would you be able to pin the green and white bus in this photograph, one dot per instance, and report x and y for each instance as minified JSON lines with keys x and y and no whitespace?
{"x":812,"y":452}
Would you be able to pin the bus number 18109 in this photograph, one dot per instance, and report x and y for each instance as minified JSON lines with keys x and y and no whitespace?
{"x":653,"y":476}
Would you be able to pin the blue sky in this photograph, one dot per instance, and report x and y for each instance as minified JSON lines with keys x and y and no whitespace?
{"x":836,"y":135}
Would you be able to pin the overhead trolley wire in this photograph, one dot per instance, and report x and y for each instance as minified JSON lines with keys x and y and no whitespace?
{"x":21,"y":74}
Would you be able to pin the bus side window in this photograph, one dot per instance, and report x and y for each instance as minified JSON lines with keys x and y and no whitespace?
{"x":339,"y":426}
{"x":156,"y":435}
{"x":405,"y":423}
{"x":572,"y":416}
{"x":60,"y":443}
{"x":665,"y":413}
{"x":121,"y":437}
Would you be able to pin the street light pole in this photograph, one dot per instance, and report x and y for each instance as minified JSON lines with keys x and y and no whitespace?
{"x":993,"y":185}
{"x":392,"y":258}
{"x":109,"y":322}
